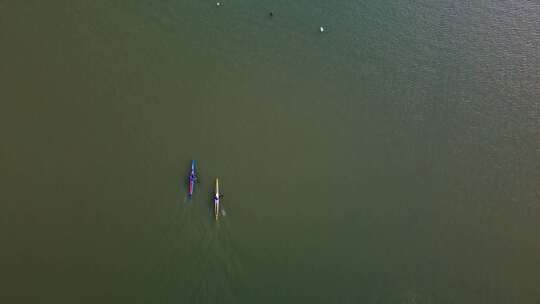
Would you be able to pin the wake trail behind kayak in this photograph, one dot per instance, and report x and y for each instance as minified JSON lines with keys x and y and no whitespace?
{"x":216,"y":262}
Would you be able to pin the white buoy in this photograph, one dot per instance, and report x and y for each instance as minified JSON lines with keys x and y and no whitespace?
{"x":218,"y":4}
{"x":321,"y":29}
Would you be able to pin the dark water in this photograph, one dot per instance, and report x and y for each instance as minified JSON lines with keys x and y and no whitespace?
{"x":394,"y":158}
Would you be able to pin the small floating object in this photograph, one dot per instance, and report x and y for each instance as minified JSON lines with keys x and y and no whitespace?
{"x":321,"y":29}
{"x":218,"y":3}
{"x":271,"y":14}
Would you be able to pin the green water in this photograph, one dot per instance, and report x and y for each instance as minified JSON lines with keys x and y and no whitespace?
{"x":394,"y":158}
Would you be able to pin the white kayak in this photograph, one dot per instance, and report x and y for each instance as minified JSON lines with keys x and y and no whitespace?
{"x":217,"y":197}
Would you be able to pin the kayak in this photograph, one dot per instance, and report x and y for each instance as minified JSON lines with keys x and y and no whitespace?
{"x":192,"y":178}
{"x":216,"y":200}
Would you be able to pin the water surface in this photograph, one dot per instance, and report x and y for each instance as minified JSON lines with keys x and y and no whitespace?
{"x":394,"y":158}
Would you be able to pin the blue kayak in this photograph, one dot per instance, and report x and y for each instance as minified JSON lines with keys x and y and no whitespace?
{"x":192,"y":178}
